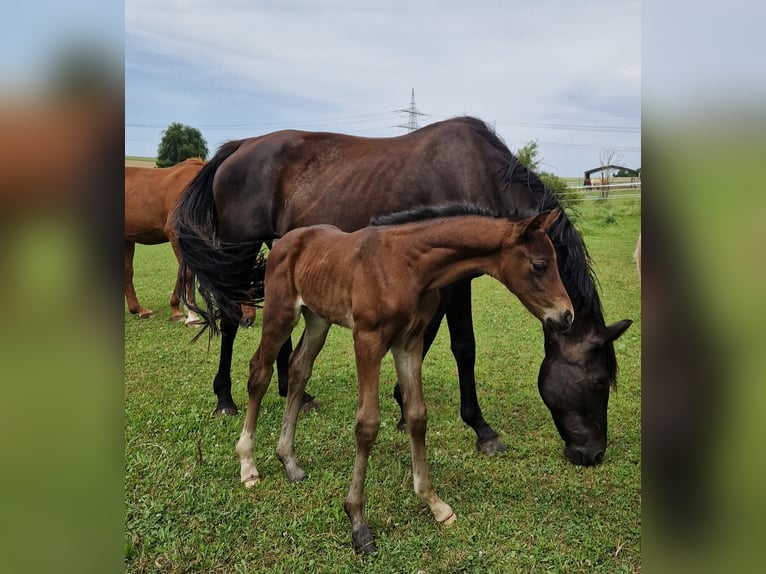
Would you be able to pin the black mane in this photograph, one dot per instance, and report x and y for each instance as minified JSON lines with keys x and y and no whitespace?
{"x":424,"y":212}
{"x":575,"y":265}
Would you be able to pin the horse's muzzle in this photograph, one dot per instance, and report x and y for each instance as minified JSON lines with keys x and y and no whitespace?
{"x":563,"y":323}
{"x":583,"y":457}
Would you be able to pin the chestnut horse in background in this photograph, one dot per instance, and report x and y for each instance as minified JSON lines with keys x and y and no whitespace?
{"x":150,"y":195}
{"x":387,"y":293}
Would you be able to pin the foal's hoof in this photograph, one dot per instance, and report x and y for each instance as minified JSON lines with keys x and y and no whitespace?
{"x":251,"y":480}
{"x":178,"y":318}
{"x":146,"y":314}
{"x":491,"y":446}
{"x":226,"y":411}
{"x":450,"y":520}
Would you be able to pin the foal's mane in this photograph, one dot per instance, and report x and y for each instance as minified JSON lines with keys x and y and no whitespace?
{"x":425,"y":212}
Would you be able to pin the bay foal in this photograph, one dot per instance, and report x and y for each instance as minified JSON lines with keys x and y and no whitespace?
{"x":382,"y":282}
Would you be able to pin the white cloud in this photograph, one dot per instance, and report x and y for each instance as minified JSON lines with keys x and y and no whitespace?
{"x":303,"y":61}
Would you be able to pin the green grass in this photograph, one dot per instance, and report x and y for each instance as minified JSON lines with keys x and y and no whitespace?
{"x":525,"y":511}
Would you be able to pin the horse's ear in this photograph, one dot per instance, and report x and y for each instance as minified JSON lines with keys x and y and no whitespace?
{"x":613,"y":332}
{"x":541,"y":221}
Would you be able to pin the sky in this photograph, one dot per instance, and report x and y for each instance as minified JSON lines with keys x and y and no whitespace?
{"x":567,"y":74}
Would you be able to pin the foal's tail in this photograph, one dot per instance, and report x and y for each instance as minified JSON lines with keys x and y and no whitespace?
{"x":228,"y":275}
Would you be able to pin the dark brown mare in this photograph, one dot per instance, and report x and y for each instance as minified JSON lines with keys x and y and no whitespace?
{"x":257,"y":189}
{"x":150,"y":195}
{"x":387,"y":293}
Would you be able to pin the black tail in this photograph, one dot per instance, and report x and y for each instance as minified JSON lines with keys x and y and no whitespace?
{"x":227,"y":274}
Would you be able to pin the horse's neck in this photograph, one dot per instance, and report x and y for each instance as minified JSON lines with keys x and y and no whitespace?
{"x":454,"y":248}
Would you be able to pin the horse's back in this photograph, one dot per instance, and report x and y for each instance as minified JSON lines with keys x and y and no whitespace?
{"x":291,"y":178}
{"x":150,"y":194}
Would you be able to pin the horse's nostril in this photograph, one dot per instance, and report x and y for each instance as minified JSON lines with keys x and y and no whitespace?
{"x":568,"y":318}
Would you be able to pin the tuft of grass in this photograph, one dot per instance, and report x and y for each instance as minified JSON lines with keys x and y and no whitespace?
{"x":526,"y":510}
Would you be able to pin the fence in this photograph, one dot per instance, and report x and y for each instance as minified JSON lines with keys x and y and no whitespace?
{"x":624,"y":190}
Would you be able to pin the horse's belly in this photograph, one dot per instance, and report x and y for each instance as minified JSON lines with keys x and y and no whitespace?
{"x":335,"y":314}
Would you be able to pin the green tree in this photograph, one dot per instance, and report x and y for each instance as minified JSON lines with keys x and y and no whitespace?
{"x":529,"y":155}
{"x":179,"y":143}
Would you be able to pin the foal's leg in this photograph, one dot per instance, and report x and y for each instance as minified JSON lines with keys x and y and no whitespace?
{"x":457,"y":302}
{"x":428,"y":338}
{"x":308,"y":402}
{"x":408,"y":361}
{"x":369,"y":352}
{"x":275,"y":330}
{"x":130,"y":293}
{"x":301,"y":363}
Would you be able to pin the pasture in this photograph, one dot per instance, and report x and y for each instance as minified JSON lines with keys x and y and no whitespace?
{"x":527,"y":510}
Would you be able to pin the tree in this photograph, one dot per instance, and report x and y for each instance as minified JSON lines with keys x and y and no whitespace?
{"x":608,"y":156}
{"x":528,"y":154}
{"x":179,"y":143}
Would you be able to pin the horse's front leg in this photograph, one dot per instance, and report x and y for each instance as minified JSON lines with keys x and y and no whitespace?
{"x":428,"y":338}
{"x":301,"y":364}
{"x":130,"y":293}
{"x":408,"y":361}
{"x":369,"y":353}
{"x":457,"y":302}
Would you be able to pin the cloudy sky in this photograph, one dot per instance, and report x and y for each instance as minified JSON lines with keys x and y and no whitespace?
{"x":565,"y":73}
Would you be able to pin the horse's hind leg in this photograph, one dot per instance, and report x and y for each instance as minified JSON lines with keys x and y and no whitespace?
{"x":261,"y":369}
{"x":408,"y":361}
{"x":308,"y":402}
{"x":275,"y":330}
{"x":176,"y":314}
{"x":301,"y":363}
{"x":130,"y":293}
{"x":222,"y":380}
{"x":457,"y":302}
{"x":175,"y":299}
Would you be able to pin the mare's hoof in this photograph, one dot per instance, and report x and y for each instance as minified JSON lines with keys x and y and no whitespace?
{"x":491,"y":446}
{"x":226,"y":411}
{"x":309,"y":405}
{"x":297,"y":476}
{"x":178,"y":318}
{"x":193,"y":323}
{"x":365,"y":544}
{"x":401,"y":426}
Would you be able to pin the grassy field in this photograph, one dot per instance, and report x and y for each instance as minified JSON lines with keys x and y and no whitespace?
{"x":138,"y":161}
{"x":528,"y":510}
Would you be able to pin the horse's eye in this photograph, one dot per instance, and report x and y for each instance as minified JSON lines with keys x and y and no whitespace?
{"x":539,"y":266}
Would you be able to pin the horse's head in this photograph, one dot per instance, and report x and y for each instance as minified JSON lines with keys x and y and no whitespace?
{"x":574,"y":382}
{"x":530,"y":271}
